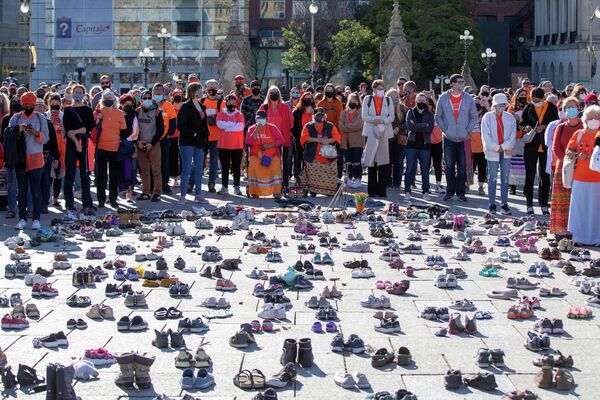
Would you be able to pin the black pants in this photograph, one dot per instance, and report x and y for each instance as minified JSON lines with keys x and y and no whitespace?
{"x":297,"y":157}
{"x":377,"y":180}
{"x":480,"y":163}
{"x":164,"y":161}
{"x":26,"y":181}
{"x":286,"y":161}
{"x":536,"y":161}
{"x":230,"y":159}
{"x":106,"y":163}
{"x":437,"y":154}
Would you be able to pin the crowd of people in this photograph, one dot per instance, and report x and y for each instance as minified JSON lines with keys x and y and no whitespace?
{"x":54,"y":140}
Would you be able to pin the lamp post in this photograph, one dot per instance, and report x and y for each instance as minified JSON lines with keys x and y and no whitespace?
{"x":145,"y":56}
{"x":591,"y":52}
{"x":313,"y":9}
{"x":440,"y":80}
{"x":163,"y":35}
{"x":467,"y":39}
{"x":25,"y":9}
{"x":489,"y":58}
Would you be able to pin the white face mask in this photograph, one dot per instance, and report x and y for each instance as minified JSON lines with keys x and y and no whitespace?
{"x":261,"y":121}
{"x":500,"y":108}
{"x":379,"y":92}
{"x":582,"y":96}
{"x":538,"y":104}
{"x":593,"y":124}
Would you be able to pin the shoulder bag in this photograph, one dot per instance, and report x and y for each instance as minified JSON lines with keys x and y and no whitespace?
{"x":569,"y":163}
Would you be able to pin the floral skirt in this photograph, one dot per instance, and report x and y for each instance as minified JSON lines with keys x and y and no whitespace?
{"x":320,"y":178}
{"x":264,"y":181}
{"x":561,"y":199}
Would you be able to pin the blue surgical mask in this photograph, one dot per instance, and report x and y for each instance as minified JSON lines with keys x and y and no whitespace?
{"x":78,"y":97}
{"x":147,"y":103}
{"x":158,"y":98}
{"x":572,"y":112}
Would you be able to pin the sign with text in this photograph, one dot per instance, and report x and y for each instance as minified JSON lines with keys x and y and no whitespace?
{"x":84,"y":25}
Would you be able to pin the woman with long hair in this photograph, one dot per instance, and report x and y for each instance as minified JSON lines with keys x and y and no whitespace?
{"x":302,"y":115}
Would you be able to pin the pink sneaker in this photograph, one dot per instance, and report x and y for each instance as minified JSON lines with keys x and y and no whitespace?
{"x":409,"y":271}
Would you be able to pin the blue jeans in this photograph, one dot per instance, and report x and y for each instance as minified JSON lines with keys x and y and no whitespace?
{"x":213,"y":162}
{"x":504,"y":165}
{"x":29,"y":181}
{"x":352,"y":157}
{"x":397,"y":155}
{"x":189,"y":154}
{"x":456,"y":167}
{"x":424,"y":158}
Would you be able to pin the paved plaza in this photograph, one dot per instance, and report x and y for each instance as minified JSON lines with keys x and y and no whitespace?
{"x":433,"y":356}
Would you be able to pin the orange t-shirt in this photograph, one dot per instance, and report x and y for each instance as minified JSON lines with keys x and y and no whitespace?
{"x":335,"y":134}
{"x":168,"y":113}
{"x":583,"y":173}
{"x":211,"y":108}
{"x":378,"y":103}
{"x":500,"y":130}
{"x":113,"y":120}
{"x":306,"y":118}
{"x":333,"y":109}
{"x":455,"y":104}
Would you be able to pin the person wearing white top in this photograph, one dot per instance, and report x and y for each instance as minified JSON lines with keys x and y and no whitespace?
{"x":499,"y":140}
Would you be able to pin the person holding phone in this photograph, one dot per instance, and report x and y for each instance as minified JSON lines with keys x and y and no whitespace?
{"x":151,"y":126}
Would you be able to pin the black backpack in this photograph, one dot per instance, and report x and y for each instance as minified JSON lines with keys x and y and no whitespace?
{"x":14,"y":148}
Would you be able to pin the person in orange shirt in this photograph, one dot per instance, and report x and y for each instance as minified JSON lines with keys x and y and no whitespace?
{"x":478,"y":157}
{"x":584,"y":212}
{"x":170,"y":124}
{"x":110,"y":121}
{"x":332,"y":106}
{"x":320,"y":168}
{"x":212,"y":106}
{"x":241,"y":90}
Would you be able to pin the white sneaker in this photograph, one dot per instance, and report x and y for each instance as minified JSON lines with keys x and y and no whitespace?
{"x":280,"y":311}
{"x":223,"y":190}
{"x":268,"y":312}
{"x":237,"y":191}
{"x":22,"y":224}
{"x":441,"y":189}
{"x":35,"y":225}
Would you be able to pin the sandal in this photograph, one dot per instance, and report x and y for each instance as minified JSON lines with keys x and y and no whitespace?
{"x":243,"y":380}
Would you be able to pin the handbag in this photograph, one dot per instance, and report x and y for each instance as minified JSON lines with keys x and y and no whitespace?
{"x":328,"y":151}
{"x":126,"y":150}
{"x":265,"y":161}
{"x":595,"y":159}
{"x":528,"y":137}
{"x":568,"y":168}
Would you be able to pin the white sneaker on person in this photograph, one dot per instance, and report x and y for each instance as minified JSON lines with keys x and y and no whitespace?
{"x":237,"y":191}
{"x":223,"y":190}
{"x":441,"y":189}
{"x":22,"y":224}
{"x":35,"y":225}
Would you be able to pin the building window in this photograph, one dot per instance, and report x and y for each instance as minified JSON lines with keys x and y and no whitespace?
{"x":272,"y":9}
{"x":187,"y":28}
{"x":272,"y":38}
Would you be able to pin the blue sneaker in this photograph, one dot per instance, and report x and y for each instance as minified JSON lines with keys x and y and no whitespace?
{"x":119,"y":275}
{"x":327,"y":259}
{"x":187,"y":380}
{"x":173,"y":290}
{"x":198,"y":326}
{"x":337,"y":344}
{"x":317,"y":258}
{"x":290,"y":276}
{"x":533,"y":268}
{"x":22,"y":269}
{"x":544,"y":270}
{"x":10,"y":271}
{"x":184,"y":289}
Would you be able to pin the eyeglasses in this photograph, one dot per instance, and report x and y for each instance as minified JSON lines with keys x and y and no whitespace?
{"x":146,"y":98}
{"x":105,"y":83}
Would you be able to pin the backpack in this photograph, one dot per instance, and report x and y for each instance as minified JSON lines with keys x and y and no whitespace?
{"x":14,"y":148}
{"x":387,"y":101}
{"x":212,"y":119}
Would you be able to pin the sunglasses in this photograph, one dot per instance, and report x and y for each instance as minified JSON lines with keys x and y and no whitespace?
{"x":104,"y":83}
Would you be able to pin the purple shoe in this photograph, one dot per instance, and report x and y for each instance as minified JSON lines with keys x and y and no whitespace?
{"x":331,"y":327}
{"x":317,"y":327}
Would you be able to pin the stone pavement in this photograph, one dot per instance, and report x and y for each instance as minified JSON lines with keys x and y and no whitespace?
{"x":432,"y":355}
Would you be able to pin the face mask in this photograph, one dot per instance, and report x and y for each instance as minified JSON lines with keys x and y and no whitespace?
{"x":55,"y":108}
{"x":108,"y":103}
{"x":274,"y":96}
{"x":319,"y":118}
{"x":158,"y":98}
{"x":500,"y":108}
{"x":28,"y":111}
{"x":295,"y":95}
{"x":593,"y":124}
{"x":177,"y":99}
{"x":352,"y":106}
{"x":306,"y":102}
{"x":379,"y":92}
{"x":147,"y":103}
{"x":255,"y":91}
{"x":523,"y":100}
{"x":231,"y":107}
{"x":212,"y":92}
{"x":239,"y":86}
{"x":78,"y":97}
{"x":538,"y":104}
{"x":329,"y":94}
{"x":572,"y":112}
{"x":485,"y":94}
{"x":128,"y":108}
{"x":582,"y":96}
{"x":261,"y":121}
{"x":421,"y":106}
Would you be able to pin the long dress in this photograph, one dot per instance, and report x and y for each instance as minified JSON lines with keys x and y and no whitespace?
{"x":264,"y":180}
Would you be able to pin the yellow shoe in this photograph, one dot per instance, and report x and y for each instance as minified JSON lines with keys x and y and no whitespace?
{"x":140,"y":271}
{"x":167,"y":282}
{"x":150,"y":283}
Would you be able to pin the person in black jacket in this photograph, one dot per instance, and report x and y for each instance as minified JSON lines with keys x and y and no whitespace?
{"x":193,"y":142}
{"x":10,"y":200}
{"x":419,"y":124}
{"x":536,"y":117}
{"x":302,"y":113}
{"x":51,"y":157}
{"x":128,"y":166}
{"x":151,"y":126}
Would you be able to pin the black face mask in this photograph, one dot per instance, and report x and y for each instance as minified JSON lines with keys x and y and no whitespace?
{"x":230,"y":107}
{"x":523,"y":101}
{"x":108,"y":103}
{"x":478,"y":106}
{"x":421,"y":106}
{"x":239,"y":86}
{"x":486,"y":94}
{"x":319,"y":118}
{"x":212,"y":92}
{"x":128,"y":109}
{"x":16,"y":107}
{"x":255,"y":91}
{"x":306,"y":102}
{"x":352,"y":105}
{"x":329,"y":94}
{"x":28,"y":111}
{"x":177,"y":99}
{"x":55,"y":108}
{"x":274,"y":96}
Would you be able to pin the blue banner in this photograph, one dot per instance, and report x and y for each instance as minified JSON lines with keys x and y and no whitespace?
{"x":84,"y":25}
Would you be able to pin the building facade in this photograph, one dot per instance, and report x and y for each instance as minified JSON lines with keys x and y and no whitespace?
{"x":14,"y":35}
{"x":89,"y":38}
{"x":562,"y":36}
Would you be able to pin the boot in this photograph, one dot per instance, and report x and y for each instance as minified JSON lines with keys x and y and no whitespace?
{"x":64,"y":383}
{"x":126,"y":363}
{"x":217,"y":273}
{"x":543,"y":379}
{"x":207,"y":273}
{"x":124,"y":218}
{"x":162,"y":339}
{"x":8,"y":378}
{"x":142,"y":365}
{"x":176,"y":339}
{"x":305,"y":354}
{"x":134,"y":218}
{"x":51,"y":382}
{"x":290,"y":350}
{"x":27,"y":376}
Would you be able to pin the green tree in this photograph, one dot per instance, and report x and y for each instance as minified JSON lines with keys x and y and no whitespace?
{"x":433,"y":28}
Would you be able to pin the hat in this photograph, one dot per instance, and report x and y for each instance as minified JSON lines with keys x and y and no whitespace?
{"x":261,"y":114}
{"x":145,"y":92}
{"x":238,"y":77}
{"x":126,"y":97}
{"x":39,"y":102}
{"x":590,"y":98}
{"x":500,"y":98}
{"x":231,"y":97}
{"x":28,"y":99}
{"x":255,"y":83}
{"x":193,"y":78}
{"x":319,"y":110}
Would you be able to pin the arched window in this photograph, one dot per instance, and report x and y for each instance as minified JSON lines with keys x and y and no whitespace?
{"x":570,"y":73}
{"x":561,"y":77}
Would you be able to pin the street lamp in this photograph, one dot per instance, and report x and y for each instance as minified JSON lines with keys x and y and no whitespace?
{"x":163,"y":35}
{"x":25,"y":9}
{"x":591,"y":52}
{"x":467,"y":39}
{"x":440,"y":80}
{"x":24,"y":6}
{"x":313,"y":9}
{"x":489,"y":58}
{"x":145,"y":56}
